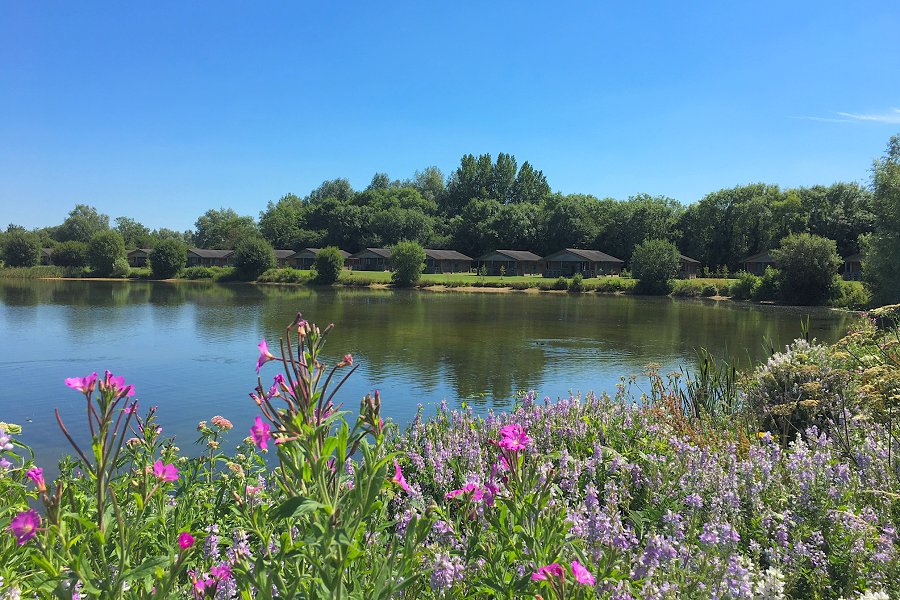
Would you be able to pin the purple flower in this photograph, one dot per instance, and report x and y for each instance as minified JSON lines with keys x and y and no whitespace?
{"x":36,"y":474}
{"x":24,"y":525}
{"x":116,"y":385}
{"x":476,"y":492}
{"x":398,"y":477}
{"x":185,"y":540}
{"x":264,"y":355}
{"x":552,"y":571}
{"x":513,"y":438}
{"x":165,"y":472}
{"x":85,"y":385}
{"x":582,"y":575}
{"x":259,"y":431}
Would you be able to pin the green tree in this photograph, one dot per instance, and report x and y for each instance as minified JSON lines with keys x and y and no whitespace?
{"x":103,"y":250}
{"x":71,"y":254}
{"x":135,"y":234}
{"x":281,"y":223}
{"x":408,"y":259}
{"x":329,"y":264}
{"x":222,"y":229}
{"x":881,"y":266}
{"x":168,"y":258}
{"x":82,"y":224}
{"x":21,"y":249}
{"x":808,"y":265}
{"x":430,"y":183}
{"x":253,"y":257}
{"x":654,"y":263}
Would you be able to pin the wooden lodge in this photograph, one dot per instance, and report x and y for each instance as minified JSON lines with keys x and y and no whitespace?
{"x":852,"y":267}
{"x":757,"y":263}
{"x":200,"y":257}
{"x":283,"y":258}
{"x":446,"y":261}
{"x":138,"y":257}
{"x":305,"y":258}
{"x":46,"y":256}
{"x":371,"y":259}
{"x":589,"y":263}
{"x":512,"y":262}
{"x":688,"y":267}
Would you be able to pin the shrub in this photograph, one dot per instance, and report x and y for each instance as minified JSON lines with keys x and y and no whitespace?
{"x":120,"y":268}
{"x":198,"y":273}
{"x":21,"y":249}
{"x":71,"y":254}
{"x":808,"y":264}
{"x":767,"y":286}
{"x":168,"y":258}
{"x":709,"y":290}
{"x":104,"y":248}
{"x":577,"y":284}
{"x":687,"y":288}
{"x":725,"y":289}
{"x":408,"y":259}
{"x":743,"y":287}
{"x":850,"y":294}
{"x":253,"y":257}
{"x":560,"y":284}
{"x":329,"y":265}
{"x":612,"y":285}
{"x":654,"y":263}
{"x":286,"y":275}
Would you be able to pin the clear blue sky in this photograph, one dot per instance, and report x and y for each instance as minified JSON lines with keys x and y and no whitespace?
{"x":162,"y":110}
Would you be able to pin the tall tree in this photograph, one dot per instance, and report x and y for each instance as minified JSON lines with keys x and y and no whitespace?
{"x":530,"y":186}
{"x":881,"y":267}
{"x":135,"y":234}
{"x":430,"y":183}
{"x":82,"y":223}
{"x":223,"y":229}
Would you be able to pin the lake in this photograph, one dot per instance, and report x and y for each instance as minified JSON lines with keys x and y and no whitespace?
{"x":190,"y":348}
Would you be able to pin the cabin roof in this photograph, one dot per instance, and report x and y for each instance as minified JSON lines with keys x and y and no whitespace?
{"x":445,"y":255}
{"x":518,"y":255}
{"x":688,"y":259}
{"x":854,"y":257}
{"x":204,"y":253}
{"x":284,"y":253}
{"x":761,"y":257}
{"x":382,"y":252}
{"x":591,"y":255}
{"x":315,"y":252}
{"x":136,"y":250}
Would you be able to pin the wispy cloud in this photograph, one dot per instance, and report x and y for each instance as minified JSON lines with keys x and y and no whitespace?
{"x":890,"y":117}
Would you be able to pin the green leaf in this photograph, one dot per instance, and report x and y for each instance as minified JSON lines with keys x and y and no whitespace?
{"x":145,"y":568}
{"x":295,"y":506}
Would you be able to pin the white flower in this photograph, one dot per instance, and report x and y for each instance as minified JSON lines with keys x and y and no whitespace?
{"x":770,"y":585}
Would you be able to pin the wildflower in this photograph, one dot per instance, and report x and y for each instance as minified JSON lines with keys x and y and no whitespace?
{"x":259,"y":431}
{"x":222,"y":423}
{"x":85,"y":385}
{"x":24,"y":525}
{"x":470,"y":488}
{"x":264,"y":355}
{"x":236,"y":469}
{"x":446,"y":571}
{"x":116,"y":385}
{"x":513,"y":438}
{"x":221,"y":572}
{"x":131,"y":408}
{"x":185,"y":540}
{"x":582,"y":575}
{"x":554,"y":571}
{"x":201,"y":425}
{"x":398,"y":477}
{"x":347,"y":362}
{"x":167,"y":472}
{"x":5,"y":441}
{"x":36,"y":474}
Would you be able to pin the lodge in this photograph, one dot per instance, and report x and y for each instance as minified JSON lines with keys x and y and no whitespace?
{"x":510,"y":262}
{"x":588,"y":263}
{"x":446,"y":261}
{"x":757,"y":263}
{"x":371,"y":259}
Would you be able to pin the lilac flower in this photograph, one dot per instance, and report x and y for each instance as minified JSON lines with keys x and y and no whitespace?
{"x":36,"y":474}
{"x":24,"y":525}
{"x":398,"y":477}
{"x":446,"y":570}
{"x":551,"y":571}
{"x":259,"y":431}
{"x":264,"y":355}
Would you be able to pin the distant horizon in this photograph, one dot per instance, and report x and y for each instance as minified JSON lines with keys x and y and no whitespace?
{"x":160,"y":113}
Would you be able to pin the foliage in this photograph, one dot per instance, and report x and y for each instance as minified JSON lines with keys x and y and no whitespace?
{"x":213,"y":273}
{"x":881,"y":269}
{"x":82,"y":224}
{"x":742,"y":289}
{"x":21,"y":249}
{"x":104,"y":248}
{"x":71,"y":254}
{"x":286,"y":275}
{"x":135,"y":234}
{"x":34,"y":272}
{"x":329,"y":265}
{"x":654,"y":263}
{"x":709,"y":290}
{"x":408,"y":260}
{"x":808,"y":264}
{"x":577,"y":284}
{"x":223,"y":229}
{"x":253,"y":257}
{"x":168,"y":258}
{"x":850,"y":294}
{"x":688,"y":288}
{"x":120,"y":268}
{"x":768,"y":286}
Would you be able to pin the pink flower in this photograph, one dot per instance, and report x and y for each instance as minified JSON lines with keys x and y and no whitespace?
{"x":24,"y":525}
{"x":221,"y":572}
{"x":185,"y":540}
{"x":163,"y":472}
{"x":398,"y":477}
{"x":550,"y":571}
{"x":260,"y":433}
{"x":470,"y":488}
{"x":582,"y":575}
{"x":116,"y":385}
{"x":36,"y":474}
{"x":513,"y":438}
{"x":264,"y":355}
{"x":347,"y":362}
{"x":85,"y":385}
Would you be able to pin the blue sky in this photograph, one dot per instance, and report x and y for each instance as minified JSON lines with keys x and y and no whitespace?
{"x":160,"y":111}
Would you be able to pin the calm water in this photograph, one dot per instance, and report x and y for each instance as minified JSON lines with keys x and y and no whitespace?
{"x":191,"y":348}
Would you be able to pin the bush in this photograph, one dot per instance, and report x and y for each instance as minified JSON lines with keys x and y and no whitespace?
{"x":687,"y":288}
{"x":560,"y":284}
{"x":743,"y":287}
{"x":612,"y":285}
{"x":850,"y":294}
{"x":168,"y":258}
{"x":213,"y":273}
{"x":329,"y":265}
{"x":21,"y":249}
{"x":120,"y":268}
{"x":408,"y":259}
{"x":709,"y":290}
{"x":725,"y":289}
{"x":577,"y":284}
{"x":767,"y":286}
{"x":71,"y":254}
{"x":808,"y":264}
{"x":654,"y":263}
{"x":253,"y":257}
{"x":105,"y":247}
{"x":286,"y":275}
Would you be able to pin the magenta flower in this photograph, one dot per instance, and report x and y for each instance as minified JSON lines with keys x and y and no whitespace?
{"x":163,"y":472}
{"x":582,"y":575}
{"x":116,"y":385}
{"x":470,"y":488}
{"x":554,"y":571}
{"x":221,"y":572}
{"x":24,"y":525}
{"x":36,"y":474}
{"x":264,"y":355}
{"x":260,"y":433}
{"x":85,"y":385}
{"x":398,"y":477}
{"x":513,"y":438}
{"x":185,"y":540}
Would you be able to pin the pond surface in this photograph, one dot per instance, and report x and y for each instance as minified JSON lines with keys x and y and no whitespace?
{"x":190,"y":348}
